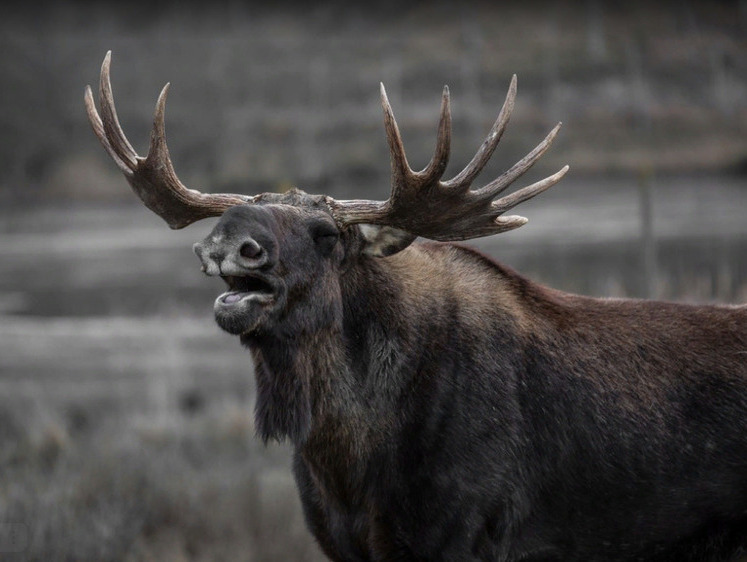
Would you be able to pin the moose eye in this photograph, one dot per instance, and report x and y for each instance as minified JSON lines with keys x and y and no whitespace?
{"x":325,"y":236}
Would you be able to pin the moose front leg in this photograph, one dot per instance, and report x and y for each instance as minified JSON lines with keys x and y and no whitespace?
{"x":341,"y":537}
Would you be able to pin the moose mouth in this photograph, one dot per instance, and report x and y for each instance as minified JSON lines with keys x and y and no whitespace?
{"x":248,"y":304}
{"x":246,"y":288}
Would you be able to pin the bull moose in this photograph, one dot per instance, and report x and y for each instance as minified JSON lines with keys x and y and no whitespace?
{"x":440,"y":405}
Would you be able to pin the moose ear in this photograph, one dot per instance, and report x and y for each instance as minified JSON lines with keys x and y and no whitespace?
{"x":382,"y":241}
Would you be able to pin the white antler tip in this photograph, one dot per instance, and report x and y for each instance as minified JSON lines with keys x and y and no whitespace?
{"x":513,"y":221}
{"x":557,"y":176}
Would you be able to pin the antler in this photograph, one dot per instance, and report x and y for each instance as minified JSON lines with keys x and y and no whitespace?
{"x":422,"y":204}
{"x":152,"y":178}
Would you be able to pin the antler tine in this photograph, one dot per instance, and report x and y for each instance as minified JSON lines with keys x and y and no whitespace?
{"x":117,"y":139}
{"x":422,"y":205}
{"x":437,"y":166}
{"x":465,"y":178}
{"x":510,"y":201}
{"x":508,"y":177}
{"x":98,"y":129}
{"x":400,"y":168}
{"x":153,"y":178}
{"x":159,"y":150}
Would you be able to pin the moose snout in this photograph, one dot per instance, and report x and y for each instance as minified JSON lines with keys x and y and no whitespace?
{"x":241,"y":242}
{"x":231,"y":257}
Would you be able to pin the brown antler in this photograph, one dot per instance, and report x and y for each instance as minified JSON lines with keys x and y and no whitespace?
{"x":152,"y":178}
{"x":421,"y":204}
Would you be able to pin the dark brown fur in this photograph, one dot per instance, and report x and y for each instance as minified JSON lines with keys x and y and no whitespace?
{"x":442,"y":407}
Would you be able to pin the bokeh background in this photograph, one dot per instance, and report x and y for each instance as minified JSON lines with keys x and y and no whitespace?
{"x":126,"y":428}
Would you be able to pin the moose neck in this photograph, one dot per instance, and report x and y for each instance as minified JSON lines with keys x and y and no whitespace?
{"x":343,"y":372}
{"x":290,"y":365}
{"x":330,"y":375}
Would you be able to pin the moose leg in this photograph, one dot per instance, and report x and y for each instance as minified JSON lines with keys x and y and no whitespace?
{"x":334,"y":533}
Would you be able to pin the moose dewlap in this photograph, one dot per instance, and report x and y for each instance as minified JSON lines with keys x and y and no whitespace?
{"x":440,"y":405}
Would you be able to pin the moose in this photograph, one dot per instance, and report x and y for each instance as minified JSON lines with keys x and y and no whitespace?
{"x":440,"y":405}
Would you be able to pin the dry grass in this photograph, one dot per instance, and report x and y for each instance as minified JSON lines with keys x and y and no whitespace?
{"x":189,"y":487}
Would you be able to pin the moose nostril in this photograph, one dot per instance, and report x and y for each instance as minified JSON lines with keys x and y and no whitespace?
{"x":250,"y":250}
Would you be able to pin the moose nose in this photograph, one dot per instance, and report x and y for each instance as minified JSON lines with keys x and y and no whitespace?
{"x":242,"y":241}
{"x":221,"y":257}
{"x":250,"y":254}
{"x":251,"y":250}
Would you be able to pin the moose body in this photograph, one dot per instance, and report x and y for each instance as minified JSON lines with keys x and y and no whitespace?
{"x":441,"y":406}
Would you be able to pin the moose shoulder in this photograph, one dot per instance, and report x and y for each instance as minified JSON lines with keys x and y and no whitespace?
{"x":443,"y":407}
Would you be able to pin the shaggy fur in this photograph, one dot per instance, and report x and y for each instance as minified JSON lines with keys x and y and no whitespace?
{"x":442,"y":407}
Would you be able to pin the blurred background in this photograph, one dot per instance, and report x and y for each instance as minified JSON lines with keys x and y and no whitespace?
{"x":126,"y":428}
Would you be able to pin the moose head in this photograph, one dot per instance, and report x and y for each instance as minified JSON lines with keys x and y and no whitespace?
{"x":277,"y":250}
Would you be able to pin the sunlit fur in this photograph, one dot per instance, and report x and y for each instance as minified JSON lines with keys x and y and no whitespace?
{"x":443,"y":407}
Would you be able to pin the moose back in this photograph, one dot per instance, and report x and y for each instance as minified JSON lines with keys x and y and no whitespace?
{"x":440,"y":405}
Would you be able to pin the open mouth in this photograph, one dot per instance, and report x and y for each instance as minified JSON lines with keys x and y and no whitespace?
{"x":246,"y":288}
{"x":249,"y":302}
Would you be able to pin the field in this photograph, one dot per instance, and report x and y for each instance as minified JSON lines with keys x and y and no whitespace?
{"x":126,"y":427}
